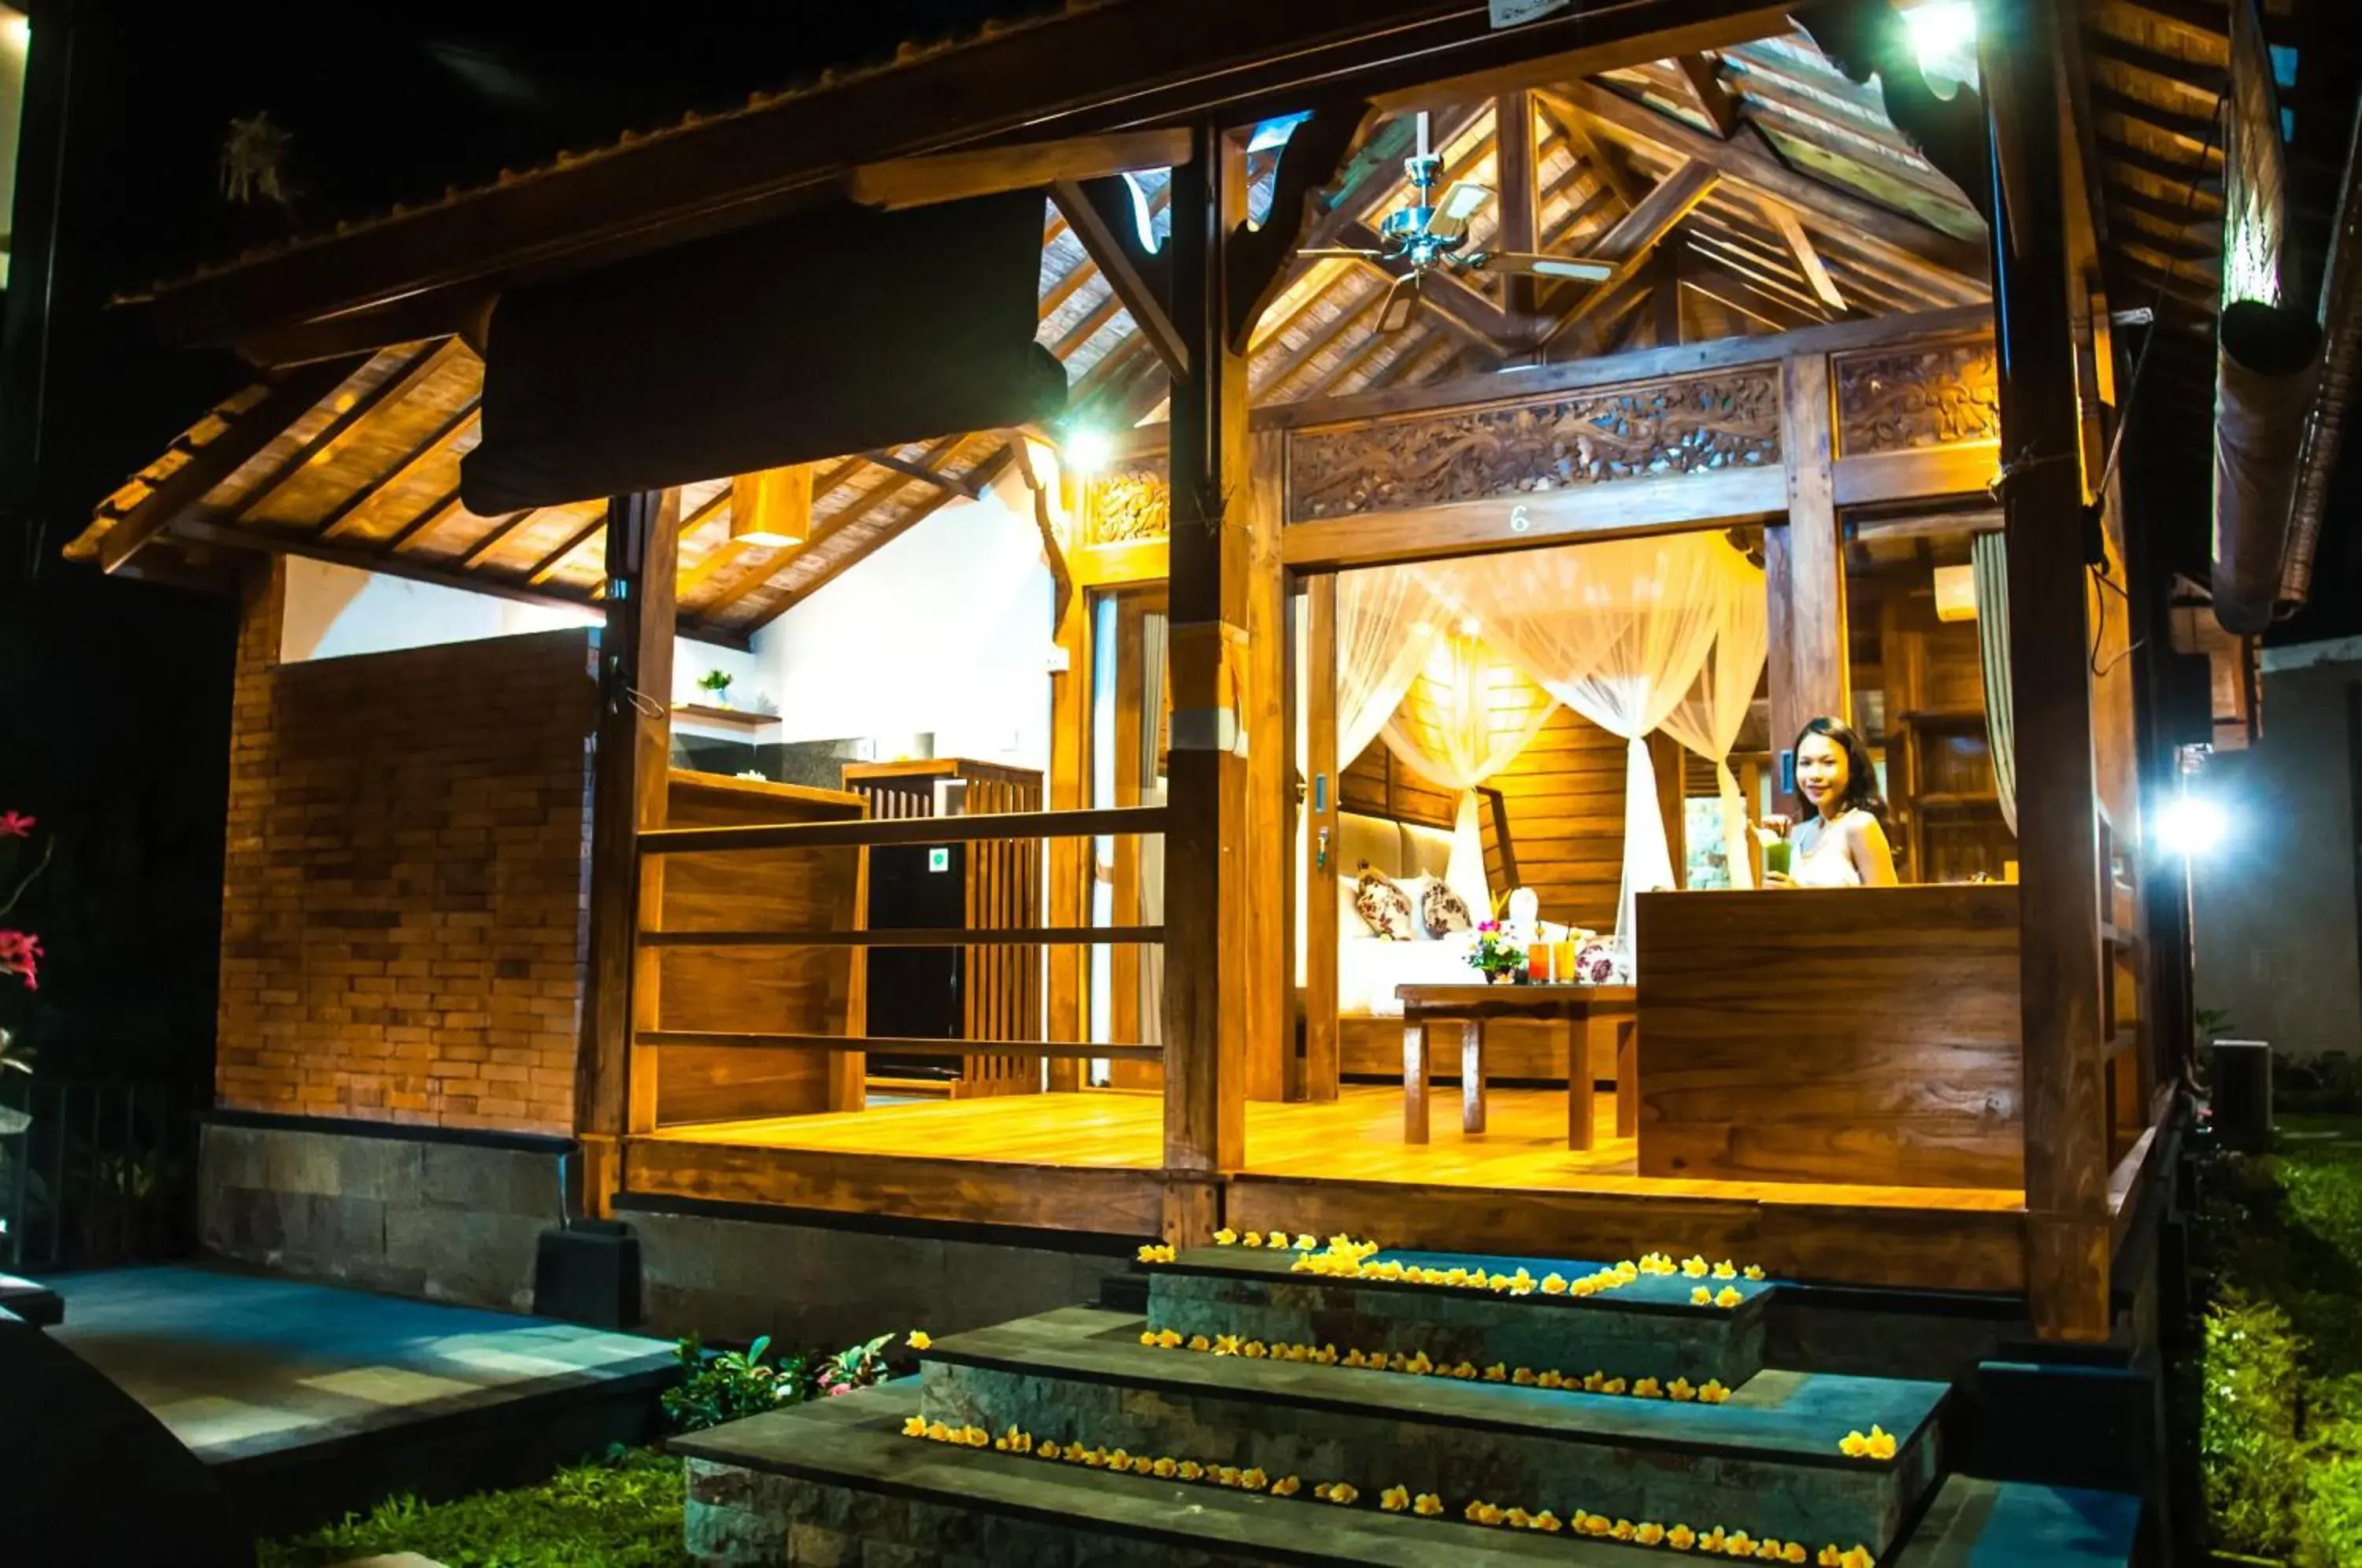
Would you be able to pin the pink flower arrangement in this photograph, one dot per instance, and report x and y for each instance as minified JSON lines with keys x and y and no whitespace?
{"x":20,"y":950}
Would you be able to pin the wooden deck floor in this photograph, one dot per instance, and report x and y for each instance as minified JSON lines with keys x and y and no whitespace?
{"x":1356,"y":1138}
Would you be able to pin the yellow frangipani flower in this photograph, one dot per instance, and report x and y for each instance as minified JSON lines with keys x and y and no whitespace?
{"x":938,"y":1433}
{"x":1701,"y":1297}
{"x":1305,"y":1244}
{"x":1856,"y":1557}
{"x":1792,"y":1552}
{"x":1277,"y":1239}
{"x":1395,"y":1499}
{"x":1190,"y":1470}
{"x":1649,"y":1533}
{"x":1547,"y":1522}
{"x":1881,"y":1442}
{"x":1250,"y":1239}
{"x":1226,"y":1238}
{"x":1680,"y":1538}
{"x":1093,"y":1459}
{"x":1255,"y":1350}
{"x":1853,"y":1445}
{"x":1623,"y":1529}
{"x":1200,"y":1342}
{"x":1613,"y":1385}
{"x":1680,"y":1389}
{"x":1738,"y":1545}
{"x":977,"y":1436}
{"x":1148,"y":1338}
{"x":1523,"y":1377}
{"x":1726,"y":1270}
{"x":1226,"y":1475}
{"x":1253,"y":1480}
{"x":1156,"y":1252}
{"x":915,"y":1426}
{"x":1497,"y":1373}
{"x":1552,"y":1378}
{"x":1712,"y":1392}
{"x":1343,"y":1492}
{"x":1753,"y":1270}
{"x":1628,"y":1271}
{"x":1226,"y":1344}
{"x":1648,"y":1388}
{"x":1418,"y":1365}
{"x":1829,"y":1558}
{"x":1161,"y":1468}
{"x":1727,"y":1297}
{"x":1286,"y":1487}
{"x":1426,"y":1505}
{"x":917,"y":1339}
{"x":1120,"y":1460}
{"x":1488,"y":1514}
{"x":1598,"y":1525}
{"x":1326,"y":1356}
{"x":1694,"y":1267}
{"x":1166,"y":1339}
{"x":1465,"y":1372}
{"x":1711,"y":1540}
{"x":1553,"y":1284}
{"x":1141,"y":1465}
{"x":1516,"y":1518}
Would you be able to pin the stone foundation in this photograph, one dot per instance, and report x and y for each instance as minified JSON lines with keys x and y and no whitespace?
{"x":443,"y":1219}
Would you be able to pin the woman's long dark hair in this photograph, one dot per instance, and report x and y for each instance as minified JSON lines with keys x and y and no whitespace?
{"x":1861,"y":774}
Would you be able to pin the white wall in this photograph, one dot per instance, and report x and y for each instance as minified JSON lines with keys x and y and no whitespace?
{"x":335,"y":611}
{"x":945,"y":629}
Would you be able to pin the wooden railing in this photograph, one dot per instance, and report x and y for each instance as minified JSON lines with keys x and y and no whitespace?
{"x":868,"y":833}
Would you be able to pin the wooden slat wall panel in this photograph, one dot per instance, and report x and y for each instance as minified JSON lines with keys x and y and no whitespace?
{"x":788,"y":990}
{"x":1870,"y":1035}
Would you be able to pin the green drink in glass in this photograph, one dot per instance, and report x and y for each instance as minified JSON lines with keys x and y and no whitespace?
{"x":1775,"y":857}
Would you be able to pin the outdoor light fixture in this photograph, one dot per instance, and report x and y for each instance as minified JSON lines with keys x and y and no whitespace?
{"x":1956,"y":593}
{"x":1943,"y":35}
{"x":2192,"y":825}
{"x":1089,"y":451}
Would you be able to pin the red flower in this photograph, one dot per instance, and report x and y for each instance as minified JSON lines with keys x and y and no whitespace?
{"x":20,"y":954}
{"x":15,"y":824}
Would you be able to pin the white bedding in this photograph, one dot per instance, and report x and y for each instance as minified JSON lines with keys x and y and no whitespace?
{"x":1370,"y":968}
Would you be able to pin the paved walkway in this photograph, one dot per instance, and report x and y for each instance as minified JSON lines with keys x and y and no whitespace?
{"x":238,"y":1365}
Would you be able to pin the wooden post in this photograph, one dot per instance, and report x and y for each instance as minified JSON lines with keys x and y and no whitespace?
{"x":1263,"y":886}
{"x":1207,"y":839}
{"x":2059,"y":856}
{"x":614,"y":1080}
{"x":1803,"y":565}
{"x":1070,"y":790}
{"x":1316,"y":688}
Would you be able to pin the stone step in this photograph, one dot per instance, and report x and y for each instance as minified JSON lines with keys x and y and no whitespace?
{"x":1768,"y":1460}
{"x":1648,"y":1328}
{"x":1971,"y":1523}
{"x":835,"y":1481}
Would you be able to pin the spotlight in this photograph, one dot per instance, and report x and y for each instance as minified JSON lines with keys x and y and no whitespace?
{"x":2192,"y":825}
{"x":1089,"y":451}
{"x":1943,"y":35}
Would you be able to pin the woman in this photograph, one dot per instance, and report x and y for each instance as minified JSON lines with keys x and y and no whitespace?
{"x":1843,"y":843}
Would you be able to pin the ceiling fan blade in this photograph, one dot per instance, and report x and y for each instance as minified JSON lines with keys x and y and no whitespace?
{"x":1325,"y":252}
{"x":1462,"y":202}
{"x":1401,"y":301}
{"x":1531,"y":265}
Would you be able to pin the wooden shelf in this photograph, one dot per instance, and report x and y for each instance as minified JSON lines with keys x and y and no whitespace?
{"x":1942,"y":800}
{"x":1945,"y":718}
{"x":725,"y":718}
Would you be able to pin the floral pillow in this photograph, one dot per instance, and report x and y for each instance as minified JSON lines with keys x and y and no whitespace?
{"x":1443,"y":912}
{"x":1384,"y":907}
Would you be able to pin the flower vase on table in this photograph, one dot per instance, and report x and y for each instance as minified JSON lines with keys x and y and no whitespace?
{"x":1500,"y":960}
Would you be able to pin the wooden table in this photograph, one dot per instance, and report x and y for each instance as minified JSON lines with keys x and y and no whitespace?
{"x":1598,"y":1019}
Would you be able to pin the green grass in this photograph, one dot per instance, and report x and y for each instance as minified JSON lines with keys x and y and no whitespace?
{"x":2279,"y":1427}
{"x":621,"y":1512}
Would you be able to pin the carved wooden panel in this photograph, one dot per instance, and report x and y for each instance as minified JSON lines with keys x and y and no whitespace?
{"x":1937,"y":395}
{"x":1127,"y":504}
{"x":1692,"y":425}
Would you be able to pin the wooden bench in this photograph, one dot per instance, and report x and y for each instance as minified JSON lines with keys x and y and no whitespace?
{"x":1600,"y":1019}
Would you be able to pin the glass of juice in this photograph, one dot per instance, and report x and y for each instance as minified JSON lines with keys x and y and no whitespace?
{"x":1775,"y":857}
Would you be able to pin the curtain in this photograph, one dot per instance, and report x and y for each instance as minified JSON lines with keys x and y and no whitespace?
{"x":1708,"y":720}
{"x":1989,"y":552}
{"x":1382,"y":637}
{"x":1466,"y":714}
{"x":1618,"y":630}
{"x":1155,"y":702}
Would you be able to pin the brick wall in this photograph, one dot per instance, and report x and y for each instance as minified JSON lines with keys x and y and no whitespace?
{"x":403,"y":896}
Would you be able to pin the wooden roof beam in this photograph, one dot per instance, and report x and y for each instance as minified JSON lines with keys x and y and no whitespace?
{"x":547,"y":568}
{"x":1599,"y":156}
{"x":1517,"y":203}
{"x":207,"y":466}
{"x":496,"y":535}
{"x":983,"y":172}
{"x":1747,"y":162}
{"x":1748,"y":296}
{"x":1629,"y":243}
{"x":421,"y":452}
{"x":1706,"y":90}
{"x":389,"y":392}
{"x":1791,"y":230}
{"x":1113,"y":258}
{"x":965,"y":487}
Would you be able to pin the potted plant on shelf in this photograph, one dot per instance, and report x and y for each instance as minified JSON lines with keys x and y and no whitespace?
{"x":715,"y":684}
{"x":1494,"y":957}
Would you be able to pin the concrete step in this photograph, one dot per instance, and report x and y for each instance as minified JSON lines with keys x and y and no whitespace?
{"x":1987,"y":1524}
{"x":835,"y":1481}
{"x":1648,"y":1328}
{"x":1768,"y":1460}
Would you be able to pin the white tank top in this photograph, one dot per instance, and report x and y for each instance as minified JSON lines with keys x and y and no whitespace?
{"x":1821,"y":858}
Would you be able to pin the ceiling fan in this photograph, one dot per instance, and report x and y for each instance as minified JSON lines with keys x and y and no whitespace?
{"x":1428,"y":236}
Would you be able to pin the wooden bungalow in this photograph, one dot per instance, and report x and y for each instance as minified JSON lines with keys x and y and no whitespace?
{"x":1796,"y":340}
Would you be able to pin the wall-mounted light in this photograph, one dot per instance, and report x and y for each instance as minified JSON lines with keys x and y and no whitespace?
{"x":1088,"y":451}
{"x":1956,"y":593}
{"x":1943,"y":35}
{"x":2192,"y":825}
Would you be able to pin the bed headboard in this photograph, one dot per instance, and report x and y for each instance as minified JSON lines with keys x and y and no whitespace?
{"x":1398,"y":849}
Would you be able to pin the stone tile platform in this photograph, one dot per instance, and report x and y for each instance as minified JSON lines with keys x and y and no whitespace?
{"x":309,"y":1399}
